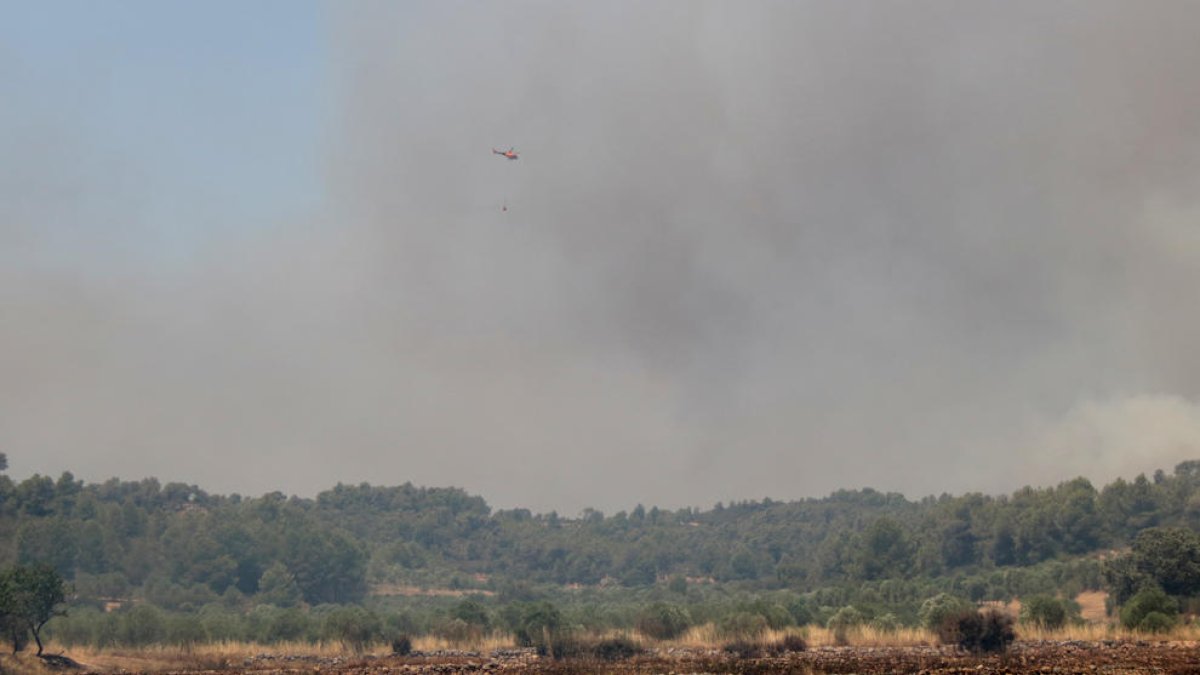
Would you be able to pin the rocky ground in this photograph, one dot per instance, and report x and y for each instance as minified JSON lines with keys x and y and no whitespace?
{"x":1123,"y":657}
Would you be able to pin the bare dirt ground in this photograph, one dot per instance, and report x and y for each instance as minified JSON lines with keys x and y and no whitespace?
{"x":1041,"y":657}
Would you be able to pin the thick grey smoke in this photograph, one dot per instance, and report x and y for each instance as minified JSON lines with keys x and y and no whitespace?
{"x":749,"y":250}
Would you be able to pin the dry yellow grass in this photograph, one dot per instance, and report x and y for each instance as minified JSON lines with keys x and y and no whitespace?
{"x":866,"y":636}
{"x":203,"y":656}
{"x":231,"y":654}
{"x":707,"y":637}
{"x":1091,"y":606}
{"x":484,"y":643}
{"x":1090,"y":632}
{"x":26,"y":664}
{"x":224,"y":654}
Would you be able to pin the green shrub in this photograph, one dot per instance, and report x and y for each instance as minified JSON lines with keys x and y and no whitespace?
{"x":354,"y":627}
{"x":220,"y":624}
{"x":458,"y":631}
{"x":142,"y":625}
{"x":256,"y":623}
{"x":846,"y":618}
{"x":1144,"y":603}
{"x":287,"y":624}
{"x":777,"y":616}
{"x":1045,"y":611}
{"x":473,"y":613}
{"x":845,"y":621}
{"x":403,"y":623}
{"x":78,"y":627}
{"x":1156,"y":622}
{"x":184,"y":630}
{"x":801,"y":613}
{"x":108,"y":631}
{"x":663,"y":621}
{"x":885,"y":623}
{"x":541,"y":626}
{"x":934,"y":610}
{"x":741,"y":626}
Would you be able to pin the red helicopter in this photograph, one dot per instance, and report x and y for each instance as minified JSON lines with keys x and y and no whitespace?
{"x":506,"y":154}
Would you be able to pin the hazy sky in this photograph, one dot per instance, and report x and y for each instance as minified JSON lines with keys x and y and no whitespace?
{"x":750,"y":249}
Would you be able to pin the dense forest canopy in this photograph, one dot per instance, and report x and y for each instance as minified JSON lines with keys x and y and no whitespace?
{"x":121,"y":537}
{"x":141,"y":562}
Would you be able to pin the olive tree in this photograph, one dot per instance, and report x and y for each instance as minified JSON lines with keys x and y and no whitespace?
{"x":29,"y":597}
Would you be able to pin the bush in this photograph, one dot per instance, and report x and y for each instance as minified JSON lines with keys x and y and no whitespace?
{"x":142,"y":625}
{"x":843,"y":622}
{"x":663,"y":621}
{"x":1156,"y":622}
{"x":885,"y":623}
{"x":542,"y":626}
{"x":935,"y":610}
{"x":846,"y":618}
{"x":220,"y":624}
{"x":401,"y":645}
{"x":777,"y":615}
{"x":457,"y":631}
{"x":1144,"y":603}
{"x":403,"y":623}
{"x":287,"y":624}
{"x":77,"y":628}
{"x":990,"y":630}
{"x":472,"y":613}
{"x":256,"y":623}
{"x":354,"y":627}
{"x":742,"y":626}
{"x":184,"y":630}
{"x":108,"y":630}
{"x":1045,"y":611}
{"x":801,"y":613}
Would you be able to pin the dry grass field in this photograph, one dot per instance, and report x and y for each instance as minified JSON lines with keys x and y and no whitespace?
{"x":1088,"y":648}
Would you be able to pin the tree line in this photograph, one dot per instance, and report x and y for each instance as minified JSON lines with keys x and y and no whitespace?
{"x":180,"y":548}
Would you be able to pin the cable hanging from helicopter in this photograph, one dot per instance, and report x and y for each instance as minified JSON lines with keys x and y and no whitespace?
{"x":510,"y":154}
